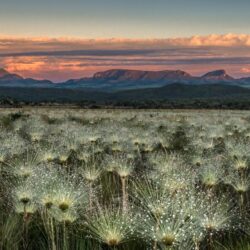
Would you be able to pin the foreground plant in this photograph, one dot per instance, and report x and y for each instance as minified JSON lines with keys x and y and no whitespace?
{"x":124,"y":169}
{"x":173,"y":226}
{"x":111,"y":226}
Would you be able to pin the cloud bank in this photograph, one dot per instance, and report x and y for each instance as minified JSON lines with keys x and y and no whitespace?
{"x":59,"y":59}
{"x":20,"y":44}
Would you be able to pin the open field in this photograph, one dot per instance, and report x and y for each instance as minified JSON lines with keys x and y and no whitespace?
{"x":124,"y":179}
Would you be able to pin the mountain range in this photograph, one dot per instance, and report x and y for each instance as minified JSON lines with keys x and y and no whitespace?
{"x":123,"y":85}
{"x":122,"y":79}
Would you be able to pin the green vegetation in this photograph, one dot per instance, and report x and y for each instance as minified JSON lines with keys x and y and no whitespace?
{"x":124,"y":179}
{"x":207,"y":96}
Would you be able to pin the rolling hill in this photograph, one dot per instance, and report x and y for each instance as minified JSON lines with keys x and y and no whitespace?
{"x":172,"y":91}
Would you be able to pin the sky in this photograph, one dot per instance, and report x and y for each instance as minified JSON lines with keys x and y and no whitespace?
{"x":62,"y":39}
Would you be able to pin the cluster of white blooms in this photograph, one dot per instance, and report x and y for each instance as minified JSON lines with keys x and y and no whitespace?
{"x":170,"y":180}
{"x":112,"y":226}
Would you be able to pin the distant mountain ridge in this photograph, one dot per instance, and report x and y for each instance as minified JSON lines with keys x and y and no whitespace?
{"x":137,"y":75}
{"x":8,"y":79}
{"x":123,"y":79}
{"x":3,"y":72}
{"x":217,"y":75}
{"x":6,"y":76}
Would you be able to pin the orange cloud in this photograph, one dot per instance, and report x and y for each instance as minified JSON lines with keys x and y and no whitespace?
{"x":63,"y":68}
{"x":22,"y":44}
{"x":23,"y":64}
{"x":245,"y":70}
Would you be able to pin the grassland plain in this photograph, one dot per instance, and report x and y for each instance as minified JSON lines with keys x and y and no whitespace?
{"x":124,"y":179}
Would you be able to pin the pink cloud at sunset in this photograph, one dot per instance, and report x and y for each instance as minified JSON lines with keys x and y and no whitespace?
{"x":59,"y":59}
{"x":246,"y":70}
